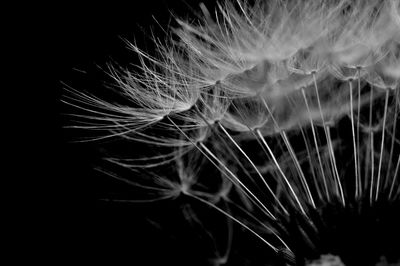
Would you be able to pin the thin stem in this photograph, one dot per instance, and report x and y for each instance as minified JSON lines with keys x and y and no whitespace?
{"x":316,"y":145}
{"x":354,"y":138}
{"x":262,"y":223}
{"x":339,"y":184}
{"x":393,"y":139}
{"x":235,"y":179}
{"x":310,"y":161}
{"x":297,"y":164}
{"x":372,"y":167}
{"x":280,"y":170}
{"x":217,"y":133}
{"x":283,"y":135}
{"x":234,"y":219}
{"x":322,"y":116}
{"x":358,"y":192}
{"x":252,"y":164}
{"x":251,"y":130}
{"x":395,"y":175}
{"x":382,"y":143}
{"x":370,"y":140}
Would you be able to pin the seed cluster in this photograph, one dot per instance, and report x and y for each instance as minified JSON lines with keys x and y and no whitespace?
{"x":267,"y":113}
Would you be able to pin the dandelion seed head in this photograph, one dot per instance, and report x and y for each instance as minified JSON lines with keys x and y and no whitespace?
{"x":279,"y":115}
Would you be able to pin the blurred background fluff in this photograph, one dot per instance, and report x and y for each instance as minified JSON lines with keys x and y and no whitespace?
{"x":272,"y":124}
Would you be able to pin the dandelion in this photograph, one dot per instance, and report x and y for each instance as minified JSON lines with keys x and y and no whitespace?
{"x":281,"y":116}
